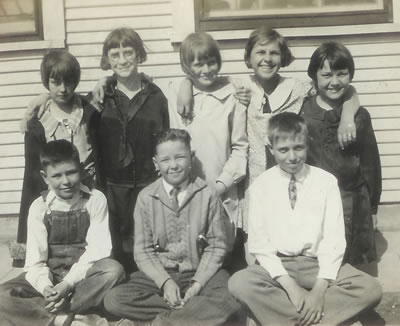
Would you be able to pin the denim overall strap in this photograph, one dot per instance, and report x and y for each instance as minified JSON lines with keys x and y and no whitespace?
{"x":66,"y":237}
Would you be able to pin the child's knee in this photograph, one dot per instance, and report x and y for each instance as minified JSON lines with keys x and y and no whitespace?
{"x":373,"y":292}
{"x":111,"y":302}
{"x":112,"y":271}
{"x":115,"y":271}
{"x":237,"y":284}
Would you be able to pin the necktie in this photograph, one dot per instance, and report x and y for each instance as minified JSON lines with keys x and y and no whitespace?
{"x":266,"y":106}
{"x":292,"y":191}
{"x":174,"y":198}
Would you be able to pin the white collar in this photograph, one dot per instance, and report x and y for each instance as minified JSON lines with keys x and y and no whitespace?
{"x":168,"y":187}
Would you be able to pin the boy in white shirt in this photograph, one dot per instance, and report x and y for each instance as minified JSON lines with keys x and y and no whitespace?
{"x":67,"y":266}
{"x":296,"y":234}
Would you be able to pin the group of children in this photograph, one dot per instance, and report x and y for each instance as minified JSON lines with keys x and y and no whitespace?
{"x":177,"y":236}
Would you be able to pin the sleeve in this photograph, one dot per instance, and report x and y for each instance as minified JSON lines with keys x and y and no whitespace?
{"x":213,"y":255}
{"x":33,"y":183}
{"x":174,"y":117}
{"x":37,"y":272}
{"x":145,"y":255}
{"x":260,"y":245}
{"x":98,"y":239}
{"x":370,"y":161}
{"x":333,"y":242}
{"x":235,"y":168}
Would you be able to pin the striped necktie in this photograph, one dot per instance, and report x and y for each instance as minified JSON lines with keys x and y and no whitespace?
{"x":292,"y":191}
{"x":174,"y":198}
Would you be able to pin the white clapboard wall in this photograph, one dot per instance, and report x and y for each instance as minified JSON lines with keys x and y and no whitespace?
{"x":377,"y":78}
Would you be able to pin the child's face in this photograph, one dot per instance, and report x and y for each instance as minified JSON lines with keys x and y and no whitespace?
{"x":290,"y":152}
{"x":265,"y":60}
{"x":63,"y":178}
{"x":123,"y":61}
{"x":173,"y":159}
{"x":204,"y":72}
{"x":332,"y":84}
{"x":61,"y":91}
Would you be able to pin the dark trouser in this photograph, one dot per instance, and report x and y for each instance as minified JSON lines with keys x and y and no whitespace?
{"x":121,"y":203}
{"x":140,"y":299}
{"x":352,"y":292}
{"x":21,"y":304}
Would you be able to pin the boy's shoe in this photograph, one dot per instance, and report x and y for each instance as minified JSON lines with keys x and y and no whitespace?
{"x":89,"y":320}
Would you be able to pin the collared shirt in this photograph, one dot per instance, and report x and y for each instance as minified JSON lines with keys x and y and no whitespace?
{"x":98,"y":237}
{"x":315,"y":227}
{"x":182,"y":190}
{"x":58,"y":124}
{"x":219,"y":139}
{"x":218,"y":131}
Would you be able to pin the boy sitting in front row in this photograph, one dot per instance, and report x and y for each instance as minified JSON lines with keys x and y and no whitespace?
{"x":67,"y":269}
{"x":180,"y":244}
{"x":296,"y":233}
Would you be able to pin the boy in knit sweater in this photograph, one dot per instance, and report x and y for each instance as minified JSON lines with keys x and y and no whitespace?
{"x":180,"y":245}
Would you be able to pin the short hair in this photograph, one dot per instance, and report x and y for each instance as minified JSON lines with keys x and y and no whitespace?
{"x":338,"y":56}
{"x":285,"y":124}
{"x":60,"y":65}
{"x":124,"y":36}
{"x":58,"y":151}
{"x":201,"y":46}
{"x":172,"y":135}
{"x":266,"y":34}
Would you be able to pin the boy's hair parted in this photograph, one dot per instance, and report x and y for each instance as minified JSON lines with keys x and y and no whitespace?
{"x":60,"y":65}
{"x":124,"y":36}
{"x":172,"y":134}
{"x":265,"y":34}
{"x":285,"y":124}
{"x":58,"y":151}
{"x":338,"y":56}
{"x":201,"y":46}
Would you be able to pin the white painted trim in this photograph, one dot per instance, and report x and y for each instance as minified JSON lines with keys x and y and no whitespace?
{"x":53,"y":29}
{"x":182,"y":19}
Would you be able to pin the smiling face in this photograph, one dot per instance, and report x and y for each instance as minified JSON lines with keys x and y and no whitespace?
{"x":204,"y":72}
{"x":63,"y":178}
{"x":332,"y":84}
{"x":265,"y":60}
{"x":61,"y":91}
{"x":173,"y":159}
{"x":123,"y":61}
{"x":290,"y":152}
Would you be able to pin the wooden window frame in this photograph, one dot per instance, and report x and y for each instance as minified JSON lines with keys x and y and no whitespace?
{"x":294,"y":20}
{"x":53,"y":30}
{"x":28,"y":36}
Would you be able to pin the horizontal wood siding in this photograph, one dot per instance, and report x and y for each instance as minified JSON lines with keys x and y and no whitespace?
{"x":377,"y":77}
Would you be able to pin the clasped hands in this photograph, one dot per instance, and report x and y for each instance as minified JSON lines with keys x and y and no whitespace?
{"x":56,"y":297}
{"x":172,"y":293}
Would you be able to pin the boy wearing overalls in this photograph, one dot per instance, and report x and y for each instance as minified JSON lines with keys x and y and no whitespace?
{"x":67,"y":269}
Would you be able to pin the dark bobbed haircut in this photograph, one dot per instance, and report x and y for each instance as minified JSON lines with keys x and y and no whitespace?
{"x":124,"y":36}
{"x":284,"y":125}
{"x":60,"y":65}
{"x":172,"y":135}
{"x":201,"y":46}
{"x":338,"y":56}
{"x":265,"y":34}
{"x":58,"y":151}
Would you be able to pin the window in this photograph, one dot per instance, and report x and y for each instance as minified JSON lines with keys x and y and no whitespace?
{"x":20,"y":19}
{"x":214,"y":15}
{"x":31,"y":24}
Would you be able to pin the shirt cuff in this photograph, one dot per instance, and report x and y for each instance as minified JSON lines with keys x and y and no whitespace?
{"x":226,"y":179}
{"x":275,"y":268}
